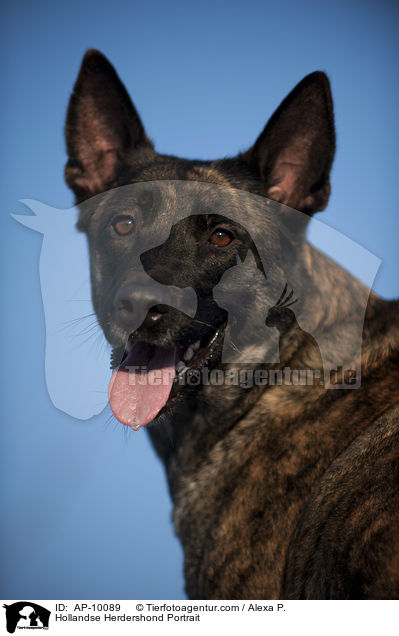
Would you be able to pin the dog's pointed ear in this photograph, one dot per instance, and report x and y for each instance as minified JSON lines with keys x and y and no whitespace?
{"x":102,"y":126}
{"x":295,"y":151}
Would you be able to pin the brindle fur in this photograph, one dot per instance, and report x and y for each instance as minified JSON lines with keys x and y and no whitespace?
{"x":289,"y":491}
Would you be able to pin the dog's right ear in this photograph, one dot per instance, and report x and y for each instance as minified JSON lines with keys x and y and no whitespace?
{"x":294,"y":153}
{"x":102,"y":126}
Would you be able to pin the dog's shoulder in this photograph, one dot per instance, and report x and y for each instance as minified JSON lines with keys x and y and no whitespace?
{"x":346,"y":542}
{"x":381,"y":331}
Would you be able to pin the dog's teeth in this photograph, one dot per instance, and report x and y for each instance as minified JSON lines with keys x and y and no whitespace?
{"x":188,"y":354}
{"x":180,"y":366}
{"x":196,"y":345}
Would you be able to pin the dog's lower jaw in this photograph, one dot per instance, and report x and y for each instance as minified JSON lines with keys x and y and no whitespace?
{"x":149,"y":377}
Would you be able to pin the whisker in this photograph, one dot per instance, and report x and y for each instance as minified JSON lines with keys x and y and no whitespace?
{"x":235,"y":347}
{"x":74,"y":321}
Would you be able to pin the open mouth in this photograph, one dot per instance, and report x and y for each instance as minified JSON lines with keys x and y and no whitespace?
{"x":150,"y":375}
{"x":198,"y":354}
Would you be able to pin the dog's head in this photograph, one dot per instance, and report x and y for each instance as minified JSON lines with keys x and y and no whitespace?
{"x":158,"y":248}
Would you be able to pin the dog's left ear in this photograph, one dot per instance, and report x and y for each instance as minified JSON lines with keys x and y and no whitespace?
{"x":294,"y":152}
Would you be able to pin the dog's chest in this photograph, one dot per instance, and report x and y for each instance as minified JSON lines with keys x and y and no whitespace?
{"x":236,"y":510}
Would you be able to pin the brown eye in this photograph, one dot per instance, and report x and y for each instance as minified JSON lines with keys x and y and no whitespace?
{"x":123,"y":224}
{"x":221,"y":238}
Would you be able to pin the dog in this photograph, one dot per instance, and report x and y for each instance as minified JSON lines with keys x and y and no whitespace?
{"x":279,"y":490}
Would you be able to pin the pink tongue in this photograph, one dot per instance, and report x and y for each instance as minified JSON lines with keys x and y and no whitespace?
{"x":140,"y":387}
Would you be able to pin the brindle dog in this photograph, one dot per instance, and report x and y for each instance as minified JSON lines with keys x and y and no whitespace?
{"x":278,"y":491}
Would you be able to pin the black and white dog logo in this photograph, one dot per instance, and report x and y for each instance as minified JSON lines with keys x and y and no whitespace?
{"x":26,"y":615}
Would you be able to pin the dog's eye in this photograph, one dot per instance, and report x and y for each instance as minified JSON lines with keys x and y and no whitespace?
{"x":123,"y":224}
{"x":221,"y":238}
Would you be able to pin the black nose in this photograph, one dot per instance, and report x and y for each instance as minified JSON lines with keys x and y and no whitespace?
{"x":138,"y":305}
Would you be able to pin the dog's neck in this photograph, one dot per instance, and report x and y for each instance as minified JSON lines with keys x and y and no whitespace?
{"x":330,"y":307}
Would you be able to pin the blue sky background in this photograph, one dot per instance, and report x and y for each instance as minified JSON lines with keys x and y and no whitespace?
{"x":85,"y":508}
